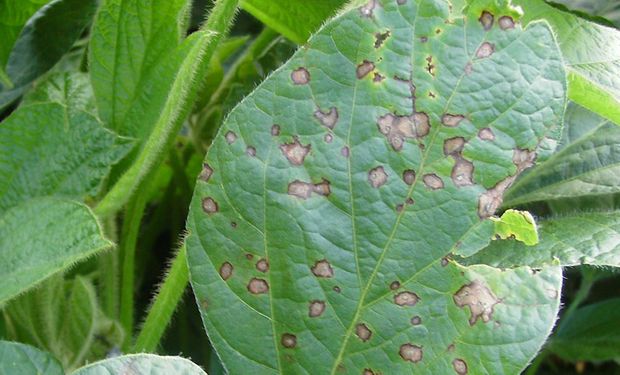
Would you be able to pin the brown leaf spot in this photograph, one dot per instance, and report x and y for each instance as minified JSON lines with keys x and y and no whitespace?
{"x":432,"y":181}
{"x":336,"y":289}
{"x":486,"y":19}
{"x":304,"y":190}
{"x":409,"y":176}
{"x":262,"y":265}
{"x":480,"y":300}
{"x":410,"y":201}
{"x":460,"y":366}
{"x":231,"y":137}
{"x":275,"y":130}
{"x":322,"y":268}
{"x":430,"y":67}
{"x":398,"y":128}
{"x":327,"y":119}
{"x":258,"y":286}
{"x":367,"y":9}
{"x":328,"y":138}
{"x":377,"y":177}
{"x":423,"y":39}
{"x":506,"y":22}
{"x":209,"y":206}
{"x":295,"y":152}
{"x":206,"y":172}
{"x":486,"y":134}
{"x":445,"y":261}
{"x":469,"y":68}
{"x":523,"y":159}
{"x":345,"y":151}
{"x":416,"y":321}
{"x":406,"y":299}
{"x":364,"y":68}
{"x":453,"y":146}
{"x":249,"y":256}
{"x":226,"y":270}
{"x":485,"y":50}
{"x":250,"y":151}
{"x":233,"y":224}
{"x":451,"y":120}
{"x":380,"y":38}
{"x":363,"y":332}
{"x":378,"y":77}
{"x":394,"y":285}
{"x":316,"y":308}
{"x":462,"y":172}
{"x":368,"y":371}
{"x":411,"y":353}
{"x":289,"y":340}
{"x":400,"y":207}
{"x":300,"y":76}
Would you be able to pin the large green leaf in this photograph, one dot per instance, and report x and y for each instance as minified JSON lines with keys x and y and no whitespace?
{"x":52,"y":149}
{"x":295,"y":19}
{"x":47,"y":36}
{"x":129,"y":49}
{"x":143,"y":364}
{"x":20,"y":359}
{"x":587,"y":164}
{"x":13,"y":16}
{"x":329,"y":203}
{"x":591,"y":333}
{"x":581,"y":238}
{"x":592,"y":55}
{"x":59,"y":317}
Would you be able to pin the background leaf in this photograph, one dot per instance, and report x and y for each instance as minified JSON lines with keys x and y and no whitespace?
{"x":329,"y":203}
{"x":57,"y":26}
{"x":581,"y":238}
{"x":143,"y":364}
{"x":20,"y":359}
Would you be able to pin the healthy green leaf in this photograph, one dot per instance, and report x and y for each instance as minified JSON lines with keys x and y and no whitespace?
{"x":20,"y":359}
{"x":592,"y":55}
{"x":587,"y":164}
{"x":129,"y":61}
{"x":591,"y":333}
{"x":13,"y":16}
{"x":608,"y":9}
{"x":57,"y":26}
{"x":295,"y":19}
{"x":519,"y":225}
{"x":41,"y":237}
{"x":581,"y":238}
{"x":59,"y":317}
{"x":323,"y":219}
{"x":143,"y":364}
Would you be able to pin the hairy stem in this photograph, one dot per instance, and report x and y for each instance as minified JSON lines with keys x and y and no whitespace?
{"x":164,"y":304}
{"x":178,"y":106}
{"x":108,"y":272}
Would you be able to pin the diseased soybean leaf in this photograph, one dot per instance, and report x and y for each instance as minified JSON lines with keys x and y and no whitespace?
{"x":588,"y":162}
{"x":58,"y":317}
{"x":20,"y":359}
{"x":295,"y":19}
{"x":592,"y":56}
{"x":47,"y":36}
{"x":131,"y":44}
{"x":143,"y":364}
{"x":591,"y":333}
{"x":580,"y":238}
{"x":329,"y":203}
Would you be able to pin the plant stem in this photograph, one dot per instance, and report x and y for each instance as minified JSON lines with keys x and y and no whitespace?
{"x":164,"y":304}
{"x":129,"y":239}
{"x":108,"y":268}
{"x":582,"y":293}
{"x":178,"y":106}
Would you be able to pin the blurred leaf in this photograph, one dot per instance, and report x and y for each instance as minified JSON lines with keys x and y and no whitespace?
{"x":588,"y":162}
{"x":47,"y":36}
{"x":131,"y":46}
{"x":295,"y":19}
{"x":20,"y":359}
{"x":591,"y":333}
{"x":13,"y":16}
{"x":608,"y":9}
{"x":582,"y":238}
{"x":592,"y":56}
{"x":143,"y":364}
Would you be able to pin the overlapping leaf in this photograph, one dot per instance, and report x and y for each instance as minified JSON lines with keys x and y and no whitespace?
{"x":324,"y":218}
{"x":20,"y":359}
{"x":146,"y":364}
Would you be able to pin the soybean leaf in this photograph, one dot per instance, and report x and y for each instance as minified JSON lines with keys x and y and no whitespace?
{"x":591,"y":333}
{"x":324,"y":217}
{"x":587,"y":164}
{"x":20,"y":359}
{"x":57,"y":26}
{"x":129,"y":54}
{"x":592,"y":55}
{"x":581,"y":238}
{"x":295,"y":19}
{"x":143,"y":364}
{"x":608,"y":9}
{"x":59,"y":317}
{"x":13,"y":16}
